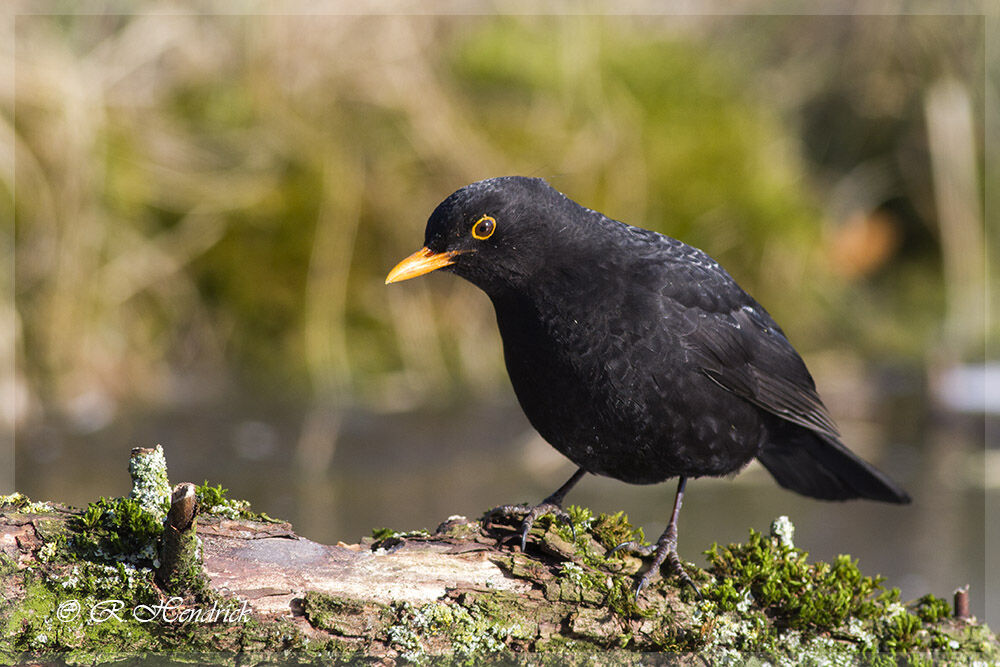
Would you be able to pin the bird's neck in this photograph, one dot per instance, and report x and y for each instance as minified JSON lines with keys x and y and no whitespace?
{"x":551,"y":300}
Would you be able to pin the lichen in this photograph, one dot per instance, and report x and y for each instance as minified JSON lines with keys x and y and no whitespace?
{"x":23,"y":505}
{"x":64,"y":605}
{"x":764,"y":603}
{"x":150,"y":484}
{"x":761,"y":598}
{"x":585,"y":582}
{"x":74,"y":611}
{"x":443,"y":628}
{"x":783,"y":531}
{"x":83,"y":596}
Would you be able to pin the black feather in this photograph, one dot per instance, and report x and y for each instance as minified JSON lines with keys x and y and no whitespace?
{"x":638,"y":356}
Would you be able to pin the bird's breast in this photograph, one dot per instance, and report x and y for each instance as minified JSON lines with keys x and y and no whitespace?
{"x":616,"y":394}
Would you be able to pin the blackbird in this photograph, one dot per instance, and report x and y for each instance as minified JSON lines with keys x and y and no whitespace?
{"x":635,"y":355}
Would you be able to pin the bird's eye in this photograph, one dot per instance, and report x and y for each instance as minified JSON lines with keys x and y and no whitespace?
{"x":484,"y":227}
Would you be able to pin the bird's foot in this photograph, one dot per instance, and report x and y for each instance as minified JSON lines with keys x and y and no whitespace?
{"x":531,"y":513}
{"x":667,"y":555}
{"x":665,"y":551}
{"x":638,"y":548}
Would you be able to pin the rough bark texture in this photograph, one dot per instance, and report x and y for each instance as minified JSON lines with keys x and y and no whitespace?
{"x":180,"y":571}
{"x":465,"y":591}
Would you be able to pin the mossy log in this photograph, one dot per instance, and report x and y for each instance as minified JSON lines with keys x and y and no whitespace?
{"x":77,"y":587}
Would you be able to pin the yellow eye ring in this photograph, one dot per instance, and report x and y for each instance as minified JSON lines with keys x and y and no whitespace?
{"x":484,"y":227}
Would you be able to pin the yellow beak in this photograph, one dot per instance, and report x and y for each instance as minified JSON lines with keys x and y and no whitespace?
{"x":422,"y":261}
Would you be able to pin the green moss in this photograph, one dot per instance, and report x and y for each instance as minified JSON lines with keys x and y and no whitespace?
{"x":458,"y":527}
{"x":386,"y":538}
{"x":767,"y":599}
{"x":181,"y":571}
{"x":345,"y":617}
{"x":520,"y":566}
{"x":610,"y":530}
{"x":932,"y":609}
{"x":90,"y":613}
{"x":763,"y":602}
{"x":71,"y":607}
{"x":380,"y":534}
{"x":902,"y":632}
{"x":796,"y":594}
{"x":581,"y":519}
{"x":586,"y":583}
{"x":7,"y":564}
{"x":585,"y":576}
{"x":572,"y":539}
{"x":116,"y":529}
{"x":101,"y":563}
{"x":567,"y":649}
{"x":215,"y":500}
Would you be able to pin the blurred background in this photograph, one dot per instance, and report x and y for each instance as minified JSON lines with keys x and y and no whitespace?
{"x":205,"y":208}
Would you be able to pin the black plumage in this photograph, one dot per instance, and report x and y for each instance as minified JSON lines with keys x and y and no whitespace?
{"x":635,"y":355}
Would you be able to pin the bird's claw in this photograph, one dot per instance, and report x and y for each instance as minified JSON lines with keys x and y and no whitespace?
{"x":676,"y":568}
{"x":662,"y":553}
{"x":531,"y":514}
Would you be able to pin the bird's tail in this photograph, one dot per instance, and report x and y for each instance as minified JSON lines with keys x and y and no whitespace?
{"x":822,"y":467}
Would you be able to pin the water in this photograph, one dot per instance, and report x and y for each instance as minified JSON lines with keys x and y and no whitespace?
{"x":413,"y":470}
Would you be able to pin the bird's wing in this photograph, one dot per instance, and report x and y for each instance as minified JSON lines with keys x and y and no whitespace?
{"x":736,"y":343}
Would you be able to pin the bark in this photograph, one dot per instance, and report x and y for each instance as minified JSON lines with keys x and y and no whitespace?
{"x":155,"y":573}
{"x":181,"y":569}
{"x":465,"y":590}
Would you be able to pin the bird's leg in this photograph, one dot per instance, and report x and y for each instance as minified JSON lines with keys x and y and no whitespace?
{"x":551,"y":505}
{"x":665,"y":549}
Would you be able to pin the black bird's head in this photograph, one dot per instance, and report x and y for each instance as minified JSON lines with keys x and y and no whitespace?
{"x":494,"y":233}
